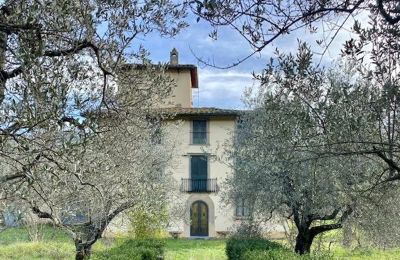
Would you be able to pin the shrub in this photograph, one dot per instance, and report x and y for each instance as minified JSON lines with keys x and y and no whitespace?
{"x":236,"y":247}
{"x":135,"y":250}
{"x":283,"y":254}
{"x":146,"y":225}
{"x":276,"y":254}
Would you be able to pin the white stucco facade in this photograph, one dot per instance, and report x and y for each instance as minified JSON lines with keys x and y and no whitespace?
{"x":219,"y":131}
{"x":204,"y":202}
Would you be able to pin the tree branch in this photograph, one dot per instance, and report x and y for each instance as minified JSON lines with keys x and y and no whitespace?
{"x":11,"y":177}
{"x":323,"y":228}
{"x":41,"y":214}
{"x":120,"y":209}
{"x":13,"y":28}
{"x":386,"y":15}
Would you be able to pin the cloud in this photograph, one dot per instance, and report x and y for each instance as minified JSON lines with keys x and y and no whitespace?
{"x":222,"y":89}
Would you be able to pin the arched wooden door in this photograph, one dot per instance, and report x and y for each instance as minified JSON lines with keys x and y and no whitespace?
{"x":199,"y":219}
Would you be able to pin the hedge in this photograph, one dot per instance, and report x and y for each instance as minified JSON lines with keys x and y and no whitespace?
{"x":135,"y":250}
{"x":236,"y":247}
{"x":285,"y":254}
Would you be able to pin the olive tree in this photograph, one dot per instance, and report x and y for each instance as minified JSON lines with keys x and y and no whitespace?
{"x":310,"y":148}
{"x":61,"y":59}
{"x":118,"y":167}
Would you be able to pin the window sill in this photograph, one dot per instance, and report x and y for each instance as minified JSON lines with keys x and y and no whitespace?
{"x":207,"y":144}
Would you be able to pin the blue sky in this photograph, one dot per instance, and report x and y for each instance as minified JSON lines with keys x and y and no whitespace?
{"x":224,"y":87}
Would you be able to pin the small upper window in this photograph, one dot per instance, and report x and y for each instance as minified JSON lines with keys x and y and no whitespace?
{"x":242,"y":208}
{"x":199,"y":134}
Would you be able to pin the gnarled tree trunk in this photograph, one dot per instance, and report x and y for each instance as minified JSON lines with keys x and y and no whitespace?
{"x":304,"y":240}
{"x":306,"y":234}
{"x":83,"y":250}
{"x":91,"y":234}
{"x":3,"y":47}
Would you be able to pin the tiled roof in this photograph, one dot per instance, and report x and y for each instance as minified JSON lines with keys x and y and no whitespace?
{"x":200,"y":111}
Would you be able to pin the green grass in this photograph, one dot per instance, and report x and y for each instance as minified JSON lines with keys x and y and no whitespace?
{"x":195,"y":249}
{"x":15,"y":244}
{"x":360,"y":254}
{"x":55,"y":244}
{"x":15,"y":235}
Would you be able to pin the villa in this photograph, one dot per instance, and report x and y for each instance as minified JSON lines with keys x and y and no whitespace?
{"x":200,"y":138}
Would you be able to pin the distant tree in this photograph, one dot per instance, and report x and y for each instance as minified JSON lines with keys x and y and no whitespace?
{"x":262,"y":22}
{"x":60,"y":60}
{"x":311,"y":147}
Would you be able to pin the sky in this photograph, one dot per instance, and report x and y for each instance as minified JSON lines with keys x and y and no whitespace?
{"x":224,"y":88}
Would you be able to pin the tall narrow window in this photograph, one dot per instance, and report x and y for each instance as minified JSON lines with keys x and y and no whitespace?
{"x":199,"y":134}
{"x":242,"y":208}
{"x":199,"y":172}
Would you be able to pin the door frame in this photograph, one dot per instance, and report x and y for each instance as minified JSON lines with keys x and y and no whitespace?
{"x":199,"y":202}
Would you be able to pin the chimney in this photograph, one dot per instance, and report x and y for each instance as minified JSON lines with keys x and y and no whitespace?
{"x":173,"y":60}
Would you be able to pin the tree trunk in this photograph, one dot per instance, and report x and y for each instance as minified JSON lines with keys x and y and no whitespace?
{"x":83,"y":251}
{"x":3,"y":46}
{"x":347,"y":236}
{"x":304,"y":241}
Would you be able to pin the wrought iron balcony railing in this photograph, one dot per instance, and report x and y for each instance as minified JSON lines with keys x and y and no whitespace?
{"x":199,"y":185}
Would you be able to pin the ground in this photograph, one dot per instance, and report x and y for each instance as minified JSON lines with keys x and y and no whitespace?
{"x":16,"y":244}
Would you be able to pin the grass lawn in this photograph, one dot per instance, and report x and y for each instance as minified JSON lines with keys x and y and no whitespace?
{"x":15,"y":244}
{"x":361,"y":254}
{"x":195,"y":249}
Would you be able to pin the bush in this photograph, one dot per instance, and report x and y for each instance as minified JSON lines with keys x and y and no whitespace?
{"x":276,"y":254}
{"x":147,"y":225}
{"x":135,"y":250}
{"x":236,"y":247}
{"x":283,"y":254}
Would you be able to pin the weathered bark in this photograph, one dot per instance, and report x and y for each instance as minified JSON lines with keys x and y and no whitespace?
{"x":306,"y":235}
{"x":84,"y":246}
{"x":304,"y":240}
{"x":3,"y":47}
{"x":83,"y":250}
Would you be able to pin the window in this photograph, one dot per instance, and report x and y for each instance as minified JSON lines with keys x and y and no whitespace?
{"x":242,"y":209}
{"x":199,"y":131}
{"x":198,"y":172}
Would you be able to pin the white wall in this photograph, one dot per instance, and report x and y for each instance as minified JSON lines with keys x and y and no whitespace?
{"x":221,"y":217}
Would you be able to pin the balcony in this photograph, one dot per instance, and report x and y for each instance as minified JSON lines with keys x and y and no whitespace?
{"x":199,"y":185}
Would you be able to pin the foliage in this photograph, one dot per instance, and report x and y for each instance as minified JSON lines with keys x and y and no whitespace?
{"x":60,"y":60}
{"x":76,"y":144}
{"x":322,"y":145}
{"x":262,"y":22}
{"x":236,"y":246}
{"x":135,"y":249}
{"x":115,"y":170}
{"x":283,"y":254}
{"x":276,"y":150}
{"x":145,"y":224}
